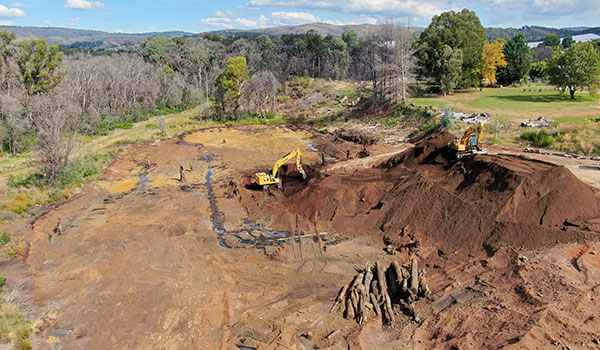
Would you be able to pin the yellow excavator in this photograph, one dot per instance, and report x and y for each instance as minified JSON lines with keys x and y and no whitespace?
{"x":470,"y":141}
{"x":272,"y":177}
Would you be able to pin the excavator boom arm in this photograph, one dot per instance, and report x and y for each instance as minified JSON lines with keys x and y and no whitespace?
{"x":284,"y":160}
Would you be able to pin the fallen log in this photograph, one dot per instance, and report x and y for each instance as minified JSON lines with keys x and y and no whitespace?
{"x":375,"y":304}
{"x":395,"y":279}
{"x":354,"y":299}
{"x":387,"y":304}
{"x":413,"y":312}
{"x":361,"y":315}
{"x":381,"y":279}
{"x":339,"y":298}
{"x":349,"y":314}
{"x":368,"y":278}
{"x":374,"y":288}
{"x":424,"y":290}
{"x":358,"y":279}
{"x":389,"y":315}
{"x":405,"y":278}
{"x":414,"y":276}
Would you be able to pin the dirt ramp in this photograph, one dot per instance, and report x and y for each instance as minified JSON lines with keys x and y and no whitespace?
{"x":467,"y":205}
{"x":433,"y":151}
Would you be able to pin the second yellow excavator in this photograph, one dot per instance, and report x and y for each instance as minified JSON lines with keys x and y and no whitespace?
{"x":272,"y":177}
{"x":470,"y":141}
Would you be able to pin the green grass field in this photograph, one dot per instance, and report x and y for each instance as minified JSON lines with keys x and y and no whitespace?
{"x":518,"y":103}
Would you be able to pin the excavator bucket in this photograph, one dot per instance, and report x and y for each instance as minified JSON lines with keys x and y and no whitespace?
{"x":302,"y":172}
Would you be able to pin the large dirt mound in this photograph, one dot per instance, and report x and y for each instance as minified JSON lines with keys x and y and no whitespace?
{"x":466,"y":205}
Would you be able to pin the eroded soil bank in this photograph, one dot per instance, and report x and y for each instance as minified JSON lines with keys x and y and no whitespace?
{"x":510,"y":246}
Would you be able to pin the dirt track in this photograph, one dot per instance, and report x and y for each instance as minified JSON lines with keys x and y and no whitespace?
{"x":140,"y":264}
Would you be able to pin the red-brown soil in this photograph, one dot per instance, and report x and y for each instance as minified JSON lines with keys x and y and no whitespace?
{"x":467,"y":205}
{"x":139,"y":265}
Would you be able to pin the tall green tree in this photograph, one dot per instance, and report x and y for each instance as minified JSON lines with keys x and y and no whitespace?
{"x":539,"y":70}
{"x":350,"y":37}
{"x":448,"y":67}
{"x":575,"y":69}
{"x":229,"y":87}
{"x":38,"y":65}
{"x":567,"y":42}
{"x":458,"y":30}
{"x":518,"y":58}
{"x":552,"y":40}
{"x":315,"y":45}
{"x":156,"y":48}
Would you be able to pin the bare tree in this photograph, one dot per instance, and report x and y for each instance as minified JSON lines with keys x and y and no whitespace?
{"x":404,"y":56}
{"x":393,"y":61}
{"x":13,"y":122}
{"x":260,"y":91}
{"x":383,"y":61}
{"x":55,"y":120}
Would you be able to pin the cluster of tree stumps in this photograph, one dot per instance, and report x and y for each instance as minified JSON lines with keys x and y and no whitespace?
{"x":375,"y":290}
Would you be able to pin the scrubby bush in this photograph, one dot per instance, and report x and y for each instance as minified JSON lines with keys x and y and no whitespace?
{"x":4,"y":237}
{"x":82,"y":169}
{"x":447,"y":118}
{"x":538,"y":139}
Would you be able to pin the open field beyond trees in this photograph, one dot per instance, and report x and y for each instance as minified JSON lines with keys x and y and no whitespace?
{"x":515,"y":104}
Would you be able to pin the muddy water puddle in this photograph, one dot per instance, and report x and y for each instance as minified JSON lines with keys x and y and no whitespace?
{"x":252,"y":235}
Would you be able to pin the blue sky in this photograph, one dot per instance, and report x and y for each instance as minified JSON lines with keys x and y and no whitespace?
{"x":199,"y":16}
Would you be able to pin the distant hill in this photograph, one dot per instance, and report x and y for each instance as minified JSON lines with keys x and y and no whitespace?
{"x":94,"y":39}
{"x":321,"y":28}
{"x":536,"y":33}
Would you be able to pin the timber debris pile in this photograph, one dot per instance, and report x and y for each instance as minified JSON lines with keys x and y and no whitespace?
{"x":375,"y":290}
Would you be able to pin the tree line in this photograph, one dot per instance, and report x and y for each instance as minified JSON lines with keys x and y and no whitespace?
{"x":452,"y":52}
{"x":47,"y":96}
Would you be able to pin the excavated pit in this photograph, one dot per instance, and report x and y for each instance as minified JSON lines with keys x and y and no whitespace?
{"x":467,"y":205}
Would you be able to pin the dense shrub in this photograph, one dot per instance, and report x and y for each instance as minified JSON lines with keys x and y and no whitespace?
{"x":538,"y":139}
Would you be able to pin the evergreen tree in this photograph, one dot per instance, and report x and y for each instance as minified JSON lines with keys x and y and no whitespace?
{"x":518,"y":58}
{"x":229,"y":86}
{"x":459,"y":31}
{"x":37,"y":62}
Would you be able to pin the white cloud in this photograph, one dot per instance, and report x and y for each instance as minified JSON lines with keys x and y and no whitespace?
{"x":230,"y":20}
{"x":6,"y":23}
{"x":84,"y":5}
{"x":219,"y":22}
{"x":72,"y":22}
{"x":48,"y":23}
{"x":122,"y":31}
{"x":336,"y":22}
{"x":531,"y":11}
{"x":6,"y":12}
{"x":294,"y":17}
{"x":364,"y":19}
{"x":19,"y":5}
{"x":393,"y":8}
{"x":550,"y":6}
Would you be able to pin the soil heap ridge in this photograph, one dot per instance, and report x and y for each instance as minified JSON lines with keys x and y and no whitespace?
{"x":467,"y":205}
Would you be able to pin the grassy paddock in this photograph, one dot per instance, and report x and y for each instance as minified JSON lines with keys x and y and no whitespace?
{"x":518,"y":103}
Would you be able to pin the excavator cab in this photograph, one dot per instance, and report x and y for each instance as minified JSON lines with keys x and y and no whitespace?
{"x":474,"y":141}
{"x":273,"y":177}
{"x":470,"y":141}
